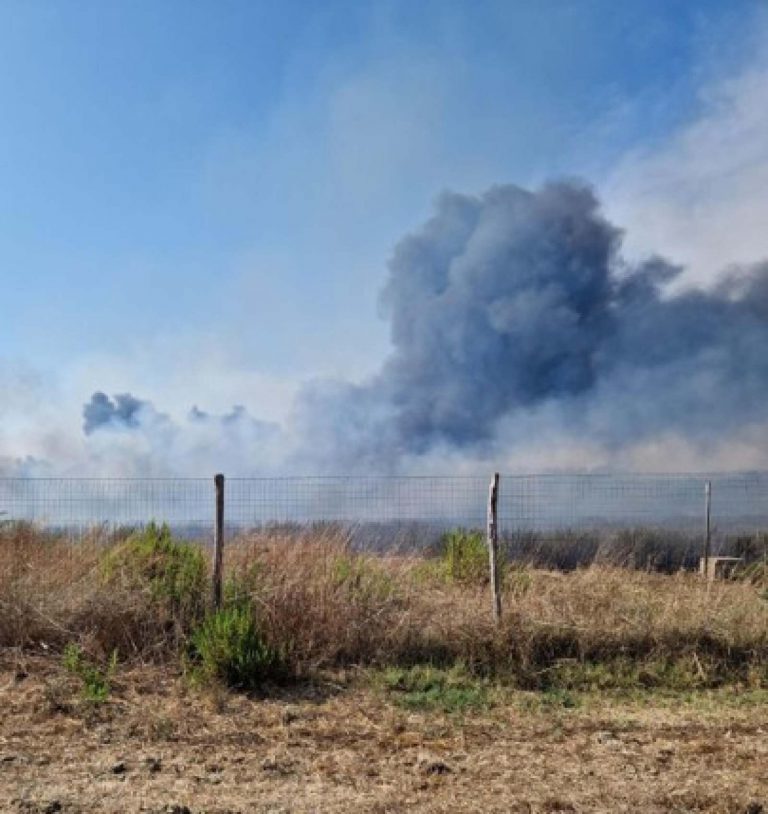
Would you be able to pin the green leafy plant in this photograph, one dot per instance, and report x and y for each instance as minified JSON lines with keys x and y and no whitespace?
{"x":96,"y":679}
{"x":229,"y":647}
{"x":171,"y":571}
{"x":465,"y":556}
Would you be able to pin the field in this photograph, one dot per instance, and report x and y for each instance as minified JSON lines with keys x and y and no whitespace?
{"x":344,"y":745}
{"x":336,"y":681}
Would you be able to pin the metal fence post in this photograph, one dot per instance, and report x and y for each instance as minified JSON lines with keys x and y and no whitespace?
{"x":707,"y":529}
{"x":218,"y":540}
{"x":493,"y":545}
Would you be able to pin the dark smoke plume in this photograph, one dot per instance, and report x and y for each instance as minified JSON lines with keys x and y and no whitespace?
{"x":102,"y":411}
{"x":514,"y":320}
{"x":130,"y":434}
{"x":518,"y":303}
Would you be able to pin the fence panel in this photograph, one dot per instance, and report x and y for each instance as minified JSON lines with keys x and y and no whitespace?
{"x":569,"y":516}
{"x":75,"y":506}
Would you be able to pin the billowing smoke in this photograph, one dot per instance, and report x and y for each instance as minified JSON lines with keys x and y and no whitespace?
{"x":127,"y":434}
{"x":514,"y":310}
{"x":514,"y":321}
{"x":102,"y":411}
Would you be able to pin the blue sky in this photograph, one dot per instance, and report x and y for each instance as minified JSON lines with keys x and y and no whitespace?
{"x":198,"y":199}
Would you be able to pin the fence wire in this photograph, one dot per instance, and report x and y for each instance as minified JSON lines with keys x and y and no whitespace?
{"x":575,"y":512}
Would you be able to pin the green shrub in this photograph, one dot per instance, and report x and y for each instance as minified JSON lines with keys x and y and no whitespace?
{"x":465,"y":556}
{"x":97,"y":680}
{"x":171,"y":571}
{"x":229,"y":647}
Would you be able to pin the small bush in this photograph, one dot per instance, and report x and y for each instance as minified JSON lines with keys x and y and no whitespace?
{"x":557,"y":698}
{"x":171,"y":571}
{"x":465,"y":556}
{"x":229,"y":647}
{"x":97,"y":680}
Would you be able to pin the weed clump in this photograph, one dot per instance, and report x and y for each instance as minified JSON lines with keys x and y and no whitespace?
{"x":96,"y":679}
{"x":170,"y":572}
{"x":464,"y":556}
{"x":228,"y":647}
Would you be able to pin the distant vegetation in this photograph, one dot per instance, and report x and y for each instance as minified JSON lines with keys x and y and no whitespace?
{"x":294,"y":605}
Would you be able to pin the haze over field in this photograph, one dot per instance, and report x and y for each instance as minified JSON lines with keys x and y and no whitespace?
{"x":383,"y":239}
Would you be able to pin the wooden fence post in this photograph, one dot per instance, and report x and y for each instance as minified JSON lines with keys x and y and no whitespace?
{"x":707,"y":529}
{"x":218,"y":540}
{"x":493,"y":545}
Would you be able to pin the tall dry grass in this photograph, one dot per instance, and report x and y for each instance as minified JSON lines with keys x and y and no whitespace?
{"x":55,"y":590}
{"x":322,"y":605}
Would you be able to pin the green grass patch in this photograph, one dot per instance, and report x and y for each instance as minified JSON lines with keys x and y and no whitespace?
{"x":431,"y":689}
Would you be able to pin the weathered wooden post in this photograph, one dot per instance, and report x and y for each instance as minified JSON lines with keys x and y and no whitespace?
{"x":218,"y":540}
{"x":707,"y":529}
{"x":493,"y":545}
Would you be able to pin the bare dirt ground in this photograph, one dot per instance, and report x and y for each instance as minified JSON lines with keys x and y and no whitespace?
{"x":158,"y":747}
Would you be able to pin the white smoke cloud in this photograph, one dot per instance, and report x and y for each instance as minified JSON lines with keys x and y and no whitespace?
{"x":699,"y":197}
{"x":41,"y":431}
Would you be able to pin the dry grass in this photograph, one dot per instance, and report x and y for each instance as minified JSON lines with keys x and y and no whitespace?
{"x":474,"y":736}
{"x":156,"y":748}
{"x":323,"y":606}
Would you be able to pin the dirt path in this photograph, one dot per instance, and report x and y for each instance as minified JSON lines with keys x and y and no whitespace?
{"x":156,"y":748}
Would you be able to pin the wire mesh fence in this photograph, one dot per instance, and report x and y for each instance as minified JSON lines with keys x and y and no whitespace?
{"x":559,"y":518}
{"x":77,"y":505}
